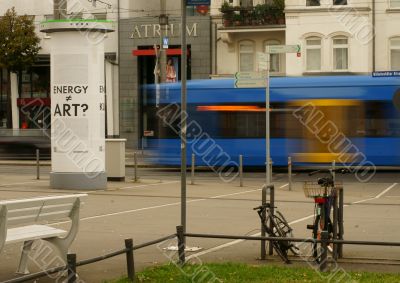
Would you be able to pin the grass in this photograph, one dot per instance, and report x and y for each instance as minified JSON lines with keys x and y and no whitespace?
{"x":242,"y":273}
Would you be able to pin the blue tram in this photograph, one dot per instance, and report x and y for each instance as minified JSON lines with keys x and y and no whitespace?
{"x":350,"y":119}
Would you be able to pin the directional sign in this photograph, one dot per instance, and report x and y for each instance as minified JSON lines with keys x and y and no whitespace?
{"x":251,"y":83}
{"x":250,"y":76}
{"x":198,"y":2}
{"x":274,"y":49}
{"x":386,"y":74}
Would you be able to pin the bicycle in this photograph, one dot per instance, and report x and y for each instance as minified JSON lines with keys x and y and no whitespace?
{"x":275,"y":225}
{"x":324,"y":193}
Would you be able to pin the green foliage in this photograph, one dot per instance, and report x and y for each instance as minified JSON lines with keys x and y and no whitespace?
{"x":19,"y":43}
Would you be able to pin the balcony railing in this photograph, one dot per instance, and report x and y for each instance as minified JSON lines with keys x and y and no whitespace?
{"x":260,"y":15}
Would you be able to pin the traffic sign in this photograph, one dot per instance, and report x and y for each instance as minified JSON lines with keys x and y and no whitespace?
{"x":275,"y":49}
{"x":250,"y":75}
{"x":386,"y":74}
{"x":147,"y":133}
{"x":165,"y":41}
{"x":251,"y":83}
{"x":197,"y":2}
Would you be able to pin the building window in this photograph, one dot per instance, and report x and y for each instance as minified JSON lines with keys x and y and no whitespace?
{"x":395,"y":54}
{"x":339,"y":2}
{"x":340,"y":53}
{"x":274,"y":64}
{"x":394,"y":3}
{"x":246,"y":56}
{"x":313,"y":3}
{"x":313,"y":54}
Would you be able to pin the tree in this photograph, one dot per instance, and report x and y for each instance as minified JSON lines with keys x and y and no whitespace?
{"x":19,"y":46}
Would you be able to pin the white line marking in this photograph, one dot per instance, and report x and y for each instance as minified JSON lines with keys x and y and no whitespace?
{"x":148,"y":185}
{"x":285,"y":185}
{"x":24,"y":183}
{"x":385,"y":191}
{"x":156,"y":206}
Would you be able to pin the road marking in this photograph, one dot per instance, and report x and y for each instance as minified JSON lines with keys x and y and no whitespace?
{"x":285,"y":185}
{"x":156,"y":206}
{"x":24,"y":183}
{"x":148,"y":185}
{"x":385,"y":191}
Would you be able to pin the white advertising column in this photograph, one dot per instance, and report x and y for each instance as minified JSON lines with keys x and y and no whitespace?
{"x":77,"y":103}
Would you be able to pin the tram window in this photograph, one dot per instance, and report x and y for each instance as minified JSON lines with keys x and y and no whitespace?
{"x":381,"y":120}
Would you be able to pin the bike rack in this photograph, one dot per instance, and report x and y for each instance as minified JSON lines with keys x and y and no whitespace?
{"x":271,"y":188}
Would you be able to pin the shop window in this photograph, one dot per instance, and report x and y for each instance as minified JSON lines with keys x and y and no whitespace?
{"x":246,"y":56}
{"x":275,"y":59}
{"x":35,"y":83}
{"x":340,"y":53}
{"x":313,"y":54}
{"x":395,"y":54}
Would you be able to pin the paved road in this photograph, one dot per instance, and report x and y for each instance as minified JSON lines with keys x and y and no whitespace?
{"x":150,"y":209}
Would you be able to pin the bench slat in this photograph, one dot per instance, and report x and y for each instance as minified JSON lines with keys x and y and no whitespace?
{"x":32,"y":232}
{"x":36,"y":210}
{"x":56,"y":215}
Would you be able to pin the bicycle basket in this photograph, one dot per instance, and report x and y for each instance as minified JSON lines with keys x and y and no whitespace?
{"x":314,"y":190}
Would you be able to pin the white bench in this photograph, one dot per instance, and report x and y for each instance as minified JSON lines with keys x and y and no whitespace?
{"x":23,"y":220}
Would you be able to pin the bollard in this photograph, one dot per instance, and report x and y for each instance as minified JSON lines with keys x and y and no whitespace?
{"x":241,"y":170}
{"x":37,"y":164}
{"x":340,"y":220}
{"x":333,"y":170}
{"x":192,"y":171}
{"x":71,"y":268}
{"x":335,"y":226}
{"x":130,"y":263}
{"x":272,"y":209}
{"x":263,"y":242}
{"x":324,"y":253}
{"x":181,"y":244}
{"x":290,"y":172}
{"x":135,"y":167}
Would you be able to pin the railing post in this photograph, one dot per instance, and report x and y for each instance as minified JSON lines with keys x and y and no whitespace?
{"x":181,"y":244}
{"x":270,"y":170}
{"x":340,"y":219}
{"x":37,"y":164}
{"x":135,"y":167}
{"x":71,"y":268}
{"x":263,"y":254}
{"x":333,"y":170}
{"x":130,"y":263}
{"x":272,"y":203}
{"x":324,"y":253}
{"x":192,"y":171}
{"x":241,"y":170}
{"x":290,"y":172}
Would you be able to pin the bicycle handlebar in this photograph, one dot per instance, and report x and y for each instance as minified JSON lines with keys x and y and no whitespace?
{"x":267,"y":205}
{"x":339,"y":170}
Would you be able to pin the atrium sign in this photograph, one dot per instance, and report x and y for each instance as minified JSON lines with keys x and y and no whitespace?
{"x":154,"y":31}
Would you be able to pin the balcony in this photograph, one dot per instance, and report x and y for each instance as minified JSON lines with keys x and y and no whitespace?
{"x":259,"y":16}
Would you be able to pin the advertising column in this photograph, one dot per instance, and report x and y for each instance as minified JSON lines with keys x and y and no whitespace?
{"x":77,"y":103}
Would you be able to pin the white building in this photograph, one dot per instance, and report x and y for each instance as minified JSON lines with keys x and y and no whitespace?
{"x":336,"y":37}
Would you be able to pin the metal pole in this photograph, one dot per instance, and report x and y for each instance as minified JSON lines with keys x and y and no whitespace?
{"x":272,"y":203}
{"x":142,"y":146}
{"x":181,"y":244}
{"x":163,"y":53}
{"x":290,"y":172}
{"x":333,"y":170}
{"x":130,"y":263}
{"x":192,"y":171}
{"x":263,"y":253}
{"x":335,"y":226}
{"x":71,"y":268}
{"x":267,"y":127}
{"x":183,"y":118}
{"x":340,"y":219}
{"x":324,"y":253}
{"x":37,"y":164}
{"x":135,"y":167}
{"x":241,"y":170}
{"x":270,"y":170}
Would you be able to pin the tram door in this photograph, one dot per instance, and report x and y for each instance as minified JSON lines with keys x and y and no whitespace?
{"x":329,"y":130}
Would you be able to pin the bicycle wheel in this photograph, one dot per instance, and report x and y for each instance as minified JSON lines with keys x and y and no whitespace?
{"x":319,"y":226}
{"x":286,"y":231}
{"x":281,"y":247}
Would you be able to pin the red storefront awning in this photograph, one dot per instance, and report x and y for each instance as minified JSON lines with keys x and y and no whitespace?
{"x":152,"y":52}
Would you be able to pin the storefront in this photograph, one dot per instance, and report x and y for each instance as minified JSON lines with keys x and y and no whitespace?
{"x":138,"y":39}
